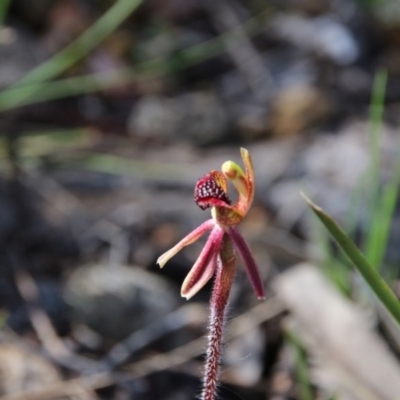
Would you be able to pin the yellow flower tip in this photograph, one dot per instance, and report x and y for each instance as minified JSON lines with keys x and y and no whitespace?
{"x":236,"y":175}
{"x":231,"y":169}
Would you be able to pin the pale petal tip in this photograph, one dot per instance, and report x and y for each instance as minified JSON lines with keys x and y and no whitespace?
{"x":259,"y":291}
{"x":244,"y":153}
{"x":188,"y":293}
{"x":163,"y":259}
{"x":187,"y":296}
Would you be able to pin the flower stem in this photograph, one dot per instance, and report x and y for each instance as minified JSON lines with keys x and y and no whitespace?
{"x":219,"y":300}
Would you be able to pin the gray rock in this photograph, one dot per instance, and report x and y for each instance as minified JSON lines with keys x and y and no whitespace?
{"x":325,"y":36}
{"x":243,"y":357}
{"x":197,"y":117}
{"x":117,"y":300}
{"x":332,"y":167}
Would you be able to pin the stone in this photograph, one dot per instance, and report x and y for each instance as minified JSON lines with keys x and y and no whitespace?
{"x":117,"y":300}
{"x":197,"y":117}
{"x":298,"y":107}
{"x":324,"y":36}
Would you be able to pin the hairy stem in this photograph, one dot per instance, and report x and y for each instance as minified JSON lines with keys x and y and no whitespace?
{"x":223,"y":282}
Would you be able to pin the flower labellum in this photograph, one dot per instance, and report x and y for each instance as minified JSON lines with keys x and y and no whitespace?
{"x":208,"y":191}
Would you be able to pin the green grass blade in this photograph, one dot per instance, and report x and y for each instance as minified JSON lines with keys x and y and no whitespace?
{"x":377,"y":102}
{"x":374,"y":171}
{"x":3,"y":10}
{"x":375,"y":130}
{"x":331,"y":265}
{"x":78,"y":49}
{"x":378,"y":286}
{"x":301,"y":366}
{"x":39,"y":92}
{"x":29,"y":93}
{"x":381,"y":221}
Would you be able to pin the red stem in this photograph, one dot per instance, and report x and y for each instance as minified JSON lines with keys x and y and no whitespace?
{"x":219,"y":300}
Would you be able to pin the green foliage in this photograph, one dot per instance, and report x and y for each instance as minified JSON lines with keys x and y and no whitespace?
{"x":4,"y":4}
{"x":376,"y":283}
{"x":381,"y":220}
{"x":301,"y":365}
{"x":31,"y":83}
{"x":31,"y":89}
{"x":332,"y":265}
{"x":382,"y":201}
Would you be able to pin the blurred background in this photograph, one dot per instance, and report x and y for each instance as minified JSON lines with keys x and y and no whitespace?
{"x":109,"y":113}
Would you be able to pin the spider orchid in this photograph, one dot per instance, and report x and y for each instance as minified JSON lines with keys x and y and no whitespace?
{"x":211,"y":191}
{"x":218,"y":256}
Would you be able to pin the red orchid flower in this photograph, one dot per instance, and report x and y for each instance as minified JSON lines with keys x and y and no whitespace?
{"x":211,"y":191}
{"x":218,"y":256}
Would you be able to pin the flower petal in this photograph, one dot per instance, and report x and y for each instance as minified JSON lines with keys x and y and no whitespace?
{"x":249,"y":262}
{"x":189,"y":239}
{"x":248,"y":164}
{"x":205,"y":265}
{"x":228,"y":215}
{"x":236,"y":175}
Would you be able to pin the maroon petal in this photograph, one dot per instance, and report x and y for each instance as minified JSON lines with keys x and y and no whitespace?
{"x":188,"y":239}
{"x":204,"y":267}
{"x":249,"y":262}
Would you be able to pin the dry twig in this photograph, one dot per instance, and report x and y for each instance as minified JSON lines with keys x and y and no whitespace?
{"x":247,"y":321}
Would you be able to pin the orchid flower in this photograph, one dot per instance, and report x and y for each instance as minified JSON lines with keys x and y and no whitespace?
{"x":218,"y":256}
{"x":211,"y":191}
